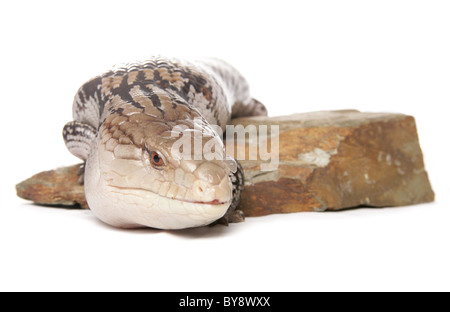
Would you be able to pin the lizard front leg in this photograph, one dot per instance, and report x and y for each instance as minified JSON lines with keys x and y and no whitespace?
{"x":79,"y":138}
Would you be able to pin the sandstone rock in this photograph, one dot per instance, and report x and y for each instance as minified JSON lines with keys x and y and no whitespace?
{"x":327,"y":161}
{"x":54,"y":187}
{"x":338,"y":159}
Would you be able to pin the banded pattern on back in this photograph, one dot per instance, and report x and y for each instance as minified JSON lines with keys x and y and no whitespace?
{"x":162,"y":88}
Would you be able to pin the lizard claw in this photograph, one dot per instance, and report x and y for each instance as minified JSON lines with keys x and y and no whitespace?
{"x":80,"y":173}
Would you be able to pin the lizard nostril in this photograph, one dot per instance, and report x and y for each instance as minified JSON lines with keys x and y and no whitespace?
{"x":203,"y":191}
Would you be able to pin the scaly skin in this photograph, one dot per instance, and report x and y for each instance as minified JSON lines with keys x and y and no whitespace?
{"x":126,"y":122}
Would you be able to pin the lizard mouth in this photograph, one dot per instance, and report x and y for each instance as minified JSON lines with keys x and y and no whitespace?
{"x":214,"y":202}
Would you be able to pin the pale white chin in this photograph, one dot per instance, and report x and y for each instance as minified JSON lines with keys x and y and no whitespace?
{"x":134,"y":208}
{"x":139,"y":208}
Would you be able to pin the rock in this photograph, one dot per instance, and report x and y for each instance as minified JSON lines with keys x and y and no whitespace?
{"x":54,"y":187}
{"x":337,"y":159}
{"x":327,"y":161}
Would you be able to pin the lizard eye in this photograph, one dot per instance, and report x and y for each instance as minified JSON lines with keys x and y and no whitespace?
{"x":156,"y":160}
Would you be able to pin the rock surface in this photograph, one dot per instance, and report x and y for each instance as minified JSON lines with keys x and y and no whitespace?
{"x":338,"y":159}
{"x":327,"y":161}
{"x":54,"y":187}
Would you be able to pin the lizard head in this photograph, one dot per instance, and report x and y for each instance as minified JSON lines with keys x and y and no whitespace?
{"x":144,"y":171}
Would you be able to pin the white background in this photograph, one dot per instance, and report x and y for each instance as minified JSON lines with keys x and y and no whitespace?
{"x":298,"y":56}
